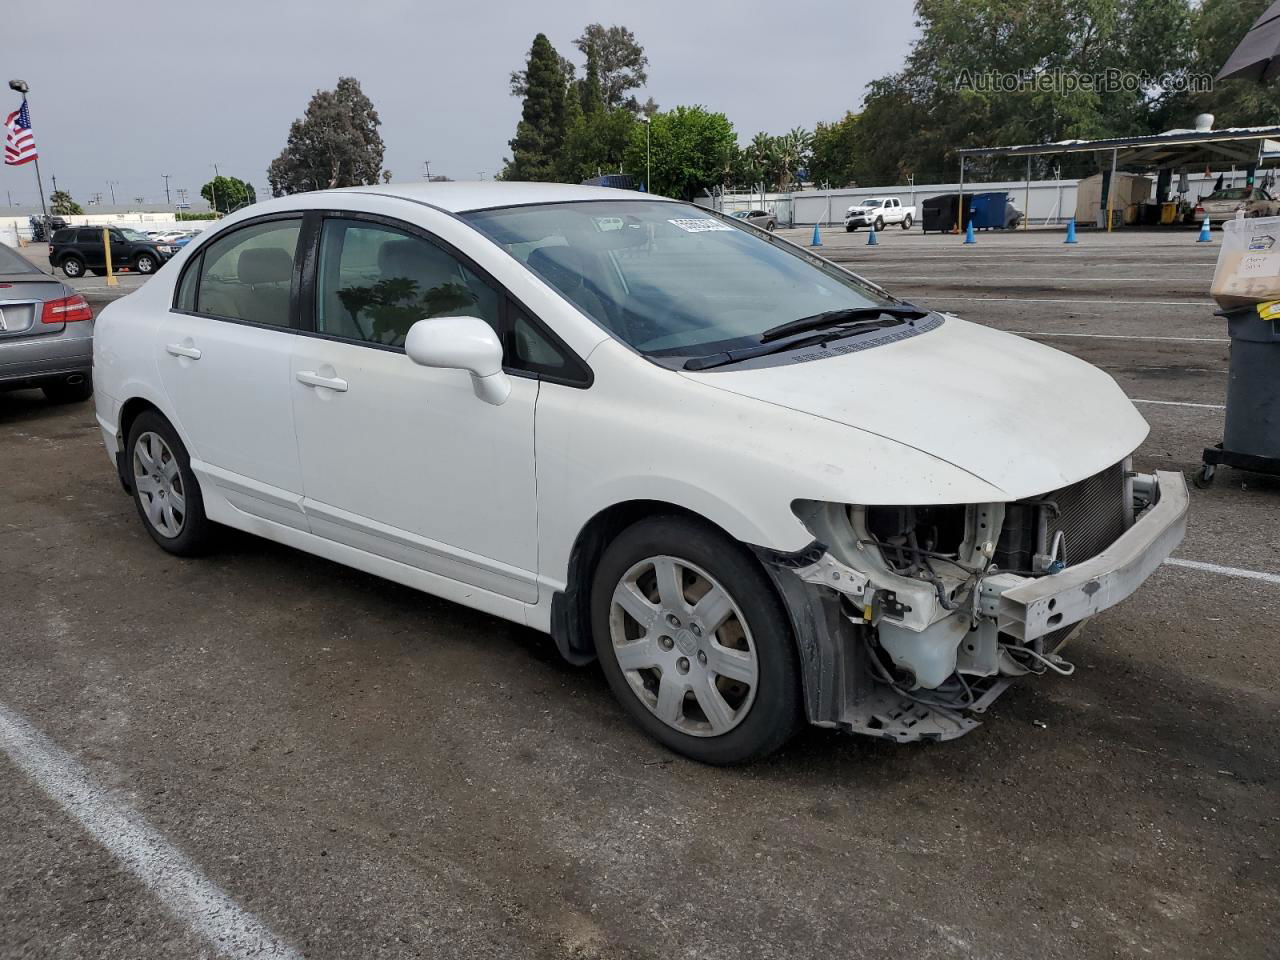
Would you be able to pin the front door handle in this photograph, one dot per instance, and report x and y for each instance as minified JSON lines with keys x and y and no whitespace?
{"x":313,"y":379}
{"x":178,"y":350}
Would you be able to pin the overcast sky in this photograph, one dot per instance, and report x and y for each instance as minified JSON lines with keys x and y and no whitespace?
{"x":129,"y":91}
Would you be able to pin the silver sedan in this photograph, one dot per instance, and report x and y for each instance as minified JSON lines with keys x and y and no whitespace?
{"x":46,"y":332}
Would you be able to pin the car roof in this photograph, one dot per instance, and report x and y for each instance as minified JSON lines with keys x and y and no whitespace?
{"x":460,"y":196}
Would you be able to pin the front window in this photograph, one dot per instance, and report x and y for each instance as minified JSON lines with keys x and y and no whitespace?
{"x":375,"y":282}
{"x":671,"y":279}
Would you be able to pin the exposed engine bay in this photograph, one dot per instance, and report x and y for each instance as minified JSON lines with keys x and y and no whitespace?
{"x":948,"y":603}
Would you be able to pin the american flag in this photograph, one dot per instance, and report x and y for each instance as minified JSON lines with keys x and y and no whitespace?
{"x":19,"y":142}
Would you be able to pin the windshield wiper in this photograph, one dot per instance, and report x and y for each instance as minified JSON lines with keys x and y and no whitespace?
{"x":831,"y":332}
{"x":839,"y":318}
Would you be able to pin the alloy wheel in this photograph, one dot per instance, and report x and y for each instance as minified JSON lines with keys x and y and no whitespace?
{"x":158,"y":480}
{"x":683,"y":646}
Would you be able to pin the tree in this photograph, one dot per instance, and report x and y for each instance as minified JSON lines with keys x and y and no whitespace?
{"x":912,"y":121}
{"x":335,"y":143}
{"x":834,"y":152}
{"x":792,"y":153}
{"x":228,"y":193}
{"x":1216,"y":27}
{"x":597,"y":143}
{"x":620,"y":60}
{"x":535,"y":149}
{"x":691,"y":149}
{"x":60,"y":203}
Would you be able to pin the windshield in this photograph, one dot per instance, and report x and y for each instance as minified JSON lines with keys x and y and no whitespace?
{"x":671,"y":279}
{"x":134,"y":235}
{"x":872,"y":203}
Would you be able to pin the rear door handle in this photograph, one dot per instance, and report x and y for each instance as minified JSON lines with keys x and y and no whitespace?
{"x":313,"y":379}
{"x":178,"y":350}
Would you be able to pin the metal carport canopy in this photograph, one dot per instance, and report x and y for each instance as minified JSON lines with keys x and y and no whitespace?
{"x":1235,"y":145}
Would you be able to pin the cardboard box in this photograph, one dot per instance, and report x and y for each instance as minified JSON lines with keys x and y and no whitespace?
{"x":1248,"y":268}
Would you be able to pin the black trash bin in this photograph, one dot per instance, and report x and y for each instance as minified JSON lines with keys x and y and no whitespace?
{"x":1251,"y":438}
{"x":939,"y":213}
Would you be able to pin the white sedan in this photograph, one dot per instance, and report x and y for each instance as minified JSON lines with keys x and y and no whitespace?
{"x":759,"y":489}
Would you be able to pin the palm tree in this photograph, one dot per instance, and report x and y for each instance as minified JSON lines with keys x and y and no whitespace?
{"x":792,"y":151}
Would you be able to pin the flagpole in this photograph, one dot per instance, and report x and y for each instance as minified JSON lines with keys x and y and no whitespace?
{"x":48,"y":233}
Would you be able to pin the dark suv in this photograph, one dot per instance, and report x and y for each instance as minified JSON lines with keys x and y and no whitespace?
{"x":79,"y":250}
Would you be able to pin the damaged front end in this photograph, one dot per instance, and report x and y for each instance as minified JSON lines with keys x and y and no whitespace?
{"x":911,"y":620}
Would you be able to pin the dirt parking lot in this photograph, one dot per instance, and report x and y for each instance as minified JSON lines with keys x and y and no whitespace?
{"x":364,"y":771}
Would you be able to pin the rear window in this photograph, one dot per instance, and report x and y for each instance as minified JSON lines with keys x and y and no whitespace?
{"x":11,"y":262}
{"x":64,"y":236}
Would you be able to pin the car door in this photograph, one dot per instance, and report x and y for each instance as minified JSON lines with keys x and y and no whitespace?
{"x":89,"y":246}
{"x":224,"y":353}
{"x":399,"y":460}
{"x":120,"y":250}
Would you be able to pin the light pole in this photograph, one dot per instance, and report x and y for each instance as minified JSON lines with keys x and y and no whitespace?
{"x":648,"y":166}
{"x":21,"y":86}
{"x":111,"y":185}
{"x":166,"y":189}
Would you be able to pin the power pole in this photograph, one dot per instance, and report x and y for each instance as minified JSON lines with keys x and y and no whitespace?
{"x":167,"y":202}
{"x":426,"y":169}
{"x":55,"y":183}
{"x":111,"y":185}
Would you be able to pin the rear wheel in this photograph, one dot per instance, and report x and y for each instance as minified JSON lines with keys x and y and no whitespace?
{"x":694,"y":641}
{"x":906,"y":222}
{"x":73,"y":266}
{"x":165,"y":490}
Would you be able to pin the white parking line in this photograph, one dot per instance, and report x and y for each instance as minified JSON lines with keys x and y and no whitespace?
{"x":1198,"y":304}
{"x":184,"y":891}
{"x":1119,"y":336}
{"x":1225,"y":571}
{"x":1181,"y":403}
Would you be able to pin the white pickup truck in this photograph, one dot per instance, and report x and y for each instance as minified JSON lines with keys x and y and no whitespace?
{"x":878,"y":211}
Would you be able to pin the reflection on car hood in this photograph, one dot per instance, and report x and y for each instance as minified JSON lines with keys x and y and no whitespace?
{"x":1021,"y":416}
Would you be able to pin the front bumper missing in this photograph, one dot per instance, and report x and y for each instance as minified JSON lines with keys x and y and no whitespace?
{"x":835,"y":617}
{"x":1029,"y":608}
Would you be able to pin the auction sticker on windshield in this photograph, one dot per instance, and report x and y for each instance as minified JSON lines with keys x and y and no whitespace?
{"x":699,"y":224}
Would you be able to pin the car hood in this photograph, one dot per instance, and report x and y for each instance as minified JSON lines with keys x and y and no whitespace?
{"x":1022,"y":417}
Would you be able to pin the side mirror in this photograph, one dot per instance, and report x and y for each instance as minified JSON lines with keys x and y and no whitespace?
{"x":461,"y":343}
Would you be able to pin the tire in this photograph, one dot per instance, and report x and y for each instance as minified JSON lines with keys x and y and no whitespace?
{"x":850,"y":229}
{"x":749,"y":713}
{"x":59,"y":391}
{"x":144,"y":263}
{"x":72,"y":266}
{"x":879,"y":225}
{"x":184,"y":531}
{"x":906,"y":222}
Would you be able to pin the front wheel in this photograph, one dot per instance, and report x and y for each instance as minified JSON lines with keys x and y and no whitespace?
{"x":879,"y":224}
{"x":165,"y":490}
{"x":694,"y":641}
{"x":145,"y":263}
{"x":906,"y":222}
{"x":850,"y":228}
